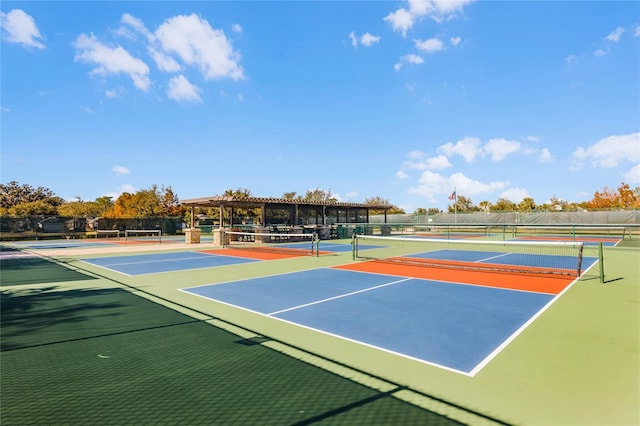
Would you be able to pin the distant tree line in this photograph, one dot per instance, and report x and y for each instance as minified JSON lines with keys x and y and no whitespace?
{"x":623,"y":198}
{"x":25,"y":200}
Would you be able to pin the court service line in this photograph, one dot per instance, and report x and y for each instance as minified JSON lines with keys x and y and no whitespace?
{"x":339,"y":296}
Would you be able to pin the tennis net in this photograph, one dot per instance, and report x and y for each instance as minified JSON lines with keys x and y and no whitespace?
{"x":106,"y":233}
{"x":143,"y":234}
{"x":528,"y":257}
{"x":571,"y":232}
{"x":284,"y":243}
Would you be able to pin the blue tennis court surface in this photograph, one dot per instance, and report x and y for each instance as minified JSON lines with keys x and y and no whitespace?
{"x":454,"y":326}
{"x":164,"y":262}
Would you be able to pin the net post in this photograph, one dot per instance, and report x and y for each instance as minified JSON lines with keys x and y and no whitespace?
{"x":315,"y":240}
{"x":353,"y":246}
{"x":601,"y":261}
{"x":580,"y":251}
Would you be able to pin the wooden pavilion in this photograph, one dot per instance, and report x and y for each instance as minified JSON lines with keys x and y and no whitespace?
{"x":288,"y":212}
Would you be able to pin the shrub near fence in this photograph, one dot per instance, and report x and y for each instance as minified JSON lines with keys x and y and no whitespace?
{"x":52,"y":227}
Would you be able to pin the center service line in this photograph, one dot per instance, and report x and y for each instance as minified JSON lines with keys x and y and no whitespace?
{"x":340,"y":296}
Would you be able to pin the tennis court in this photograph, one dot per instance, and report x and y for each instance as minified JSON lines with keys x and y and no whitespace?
{"x":154,"y":263}
{"x":455,"y":326}
{"x":395,"y":333}
{"x":393,"y":306}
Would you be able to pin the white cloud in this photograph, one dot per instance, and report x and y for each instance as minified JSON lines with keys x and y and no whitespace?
{"x":400,"y":174}
{"x":196,"y":43}
{"x":600,"y":52}
{"x":20,"y":28}
{"x":180,"y":89}
{"x":354,"y":39}
{"x":430,"y":45}
{"x":469,"y":148}
{"x":514,"y":194}
{"x":609,"y":152}
{"x":545,"y":156}
{"x":532,"y":138}
{"x":632,"y":177}
{"x":120,"y":170}
{"x":111,"y":60}
{"x":419,"y":160}
{"x":365,"y":39}
{"x":444,"y":9}
{"x":500,"y":148}
{"x":236,"y":28}
{"x":455,"y":41}
{"x":437,"y":163}
{"x":432,"y":185}
{"x":408,"y":59}
{"x":468,"y":186}
{"x":636,"y":32}
{"x":164,"y":62}
{"x":369,"y":39}
{"x":137,"y":25}
{"x":402,"y":20}
{"x":614,"y":36}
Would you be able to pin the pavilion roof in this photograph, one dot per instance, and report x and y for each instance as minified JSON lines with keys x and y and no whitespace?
{"x":255,"y":202}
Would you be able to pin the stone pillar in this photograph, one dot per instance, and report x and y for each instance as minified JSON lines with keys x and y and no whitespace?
{"x":219,"y":237}
{"x":192,"y":235}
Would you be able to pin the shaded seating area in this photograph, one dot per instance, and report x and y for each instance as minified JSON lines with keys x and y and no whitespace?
{"x":286,"y":216}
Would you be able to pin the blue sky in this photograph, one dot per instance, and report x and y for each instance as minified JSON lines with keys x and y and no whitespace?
{"x":405,"y":100}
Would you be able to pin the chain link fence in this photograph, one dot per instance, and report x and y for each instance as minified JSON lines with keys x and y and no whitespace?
{"x":51,"y":227}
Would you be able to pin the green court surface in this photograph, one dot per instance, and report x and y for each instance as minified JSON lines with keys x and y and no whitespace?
{"x":85,"y":345}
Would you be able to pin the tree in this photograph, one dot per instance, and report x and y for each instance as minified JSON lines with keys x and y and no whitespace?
{"x":169,"y":203}
{"x":289,"y":195}
{"x":503,"y":205}
{"x":249,"y":213}
{"x":484,"y":206}
{"x":379,"y":201}
{"x":462,"y":204}
{"x":79,"y":208}
{"x":527,"y":205}
{"x":627,"y":198}
{"x":238,"y":193}
{"x":33,"y":208}
{"x":606,"y":199}
{"x":319,"y":195}
{"x":622,"y":198}
{"x":151,"y":202}
{"x":40,"y":200}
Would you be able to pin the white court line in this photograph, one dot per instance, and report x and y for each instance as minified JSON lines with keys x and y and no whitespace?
{"x":319,"y":330}
{"x":178,"y":259}
{"x":492,"y":257}
{"x":340,"y":296}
